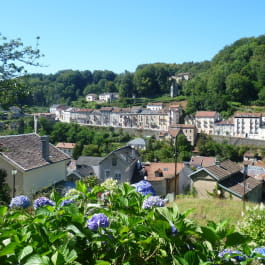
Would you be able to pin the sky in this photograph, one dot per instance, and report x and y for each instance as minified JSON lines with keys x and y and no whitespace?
{"x":119,"y":35}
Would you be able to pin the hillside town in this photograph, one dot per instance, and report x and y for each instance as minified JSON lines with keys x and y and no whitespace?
{"x":166,"y":120}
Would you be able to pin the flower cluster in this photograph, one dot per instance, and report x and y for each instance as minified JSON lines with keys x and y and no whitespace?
{"x":42,"y":201}
{"x":66,"y":202}
{"x":97,"y":220}
{"x":232,"y":254}
{"x":144,"y":187}
{"x":174,"y":230}
{"x":20,"y":201}
{"x":110,"y":184}
{"x":73,"y":193}
{"x":260,"y":251}
{"x":153,"y":201}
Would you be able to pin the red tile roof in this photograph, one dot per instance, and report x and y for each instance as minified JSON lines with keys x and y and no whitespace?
{"x":173,"y":132}
{"x":202,"y":161}
{"x":247,"y":115}
{"x":167,"y":169}
{"x":66,"y":145}
{"x":205,"y":114}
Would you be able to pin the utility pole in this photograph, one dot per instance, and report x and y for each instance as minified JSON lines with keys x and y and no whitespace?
{"x":244,"y":184}
{"x":14,"y":172}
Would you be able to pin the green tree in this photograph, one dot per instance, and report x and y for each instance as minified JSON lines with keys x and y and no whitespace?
{"x":14,"y":57}
{"x":4,"y":189}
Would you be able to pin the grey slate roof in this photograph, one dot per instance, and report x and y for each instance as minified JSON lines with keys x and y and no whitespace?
{"x":25,"y":150}
{"x":236,"y":184}
{"x":89,"y":160}
{"x":137,"y":141}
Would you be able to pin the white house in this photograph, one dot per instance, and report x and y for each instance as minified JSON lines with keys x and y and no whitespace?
{"x":108,"y":97}
{"x":155,"y":106}
{"x":91,"y":97}
{"x":247,"y":124}
{"x":224,"y":128}
{"x":31,"y":163}
{"x":204,"y":121}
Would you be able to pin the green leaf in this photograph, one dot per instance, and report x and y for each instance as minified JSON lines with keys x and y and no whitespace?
{"x":54,"y":236}
{"x":102,"y":262}
{"x":191,"y":258}
{"x":3,"y":211}
{"x":81,"y":186}
{"x":37,"y":260}
{"x":25,"y":252}
{"x":209,"y":235}
{"x":75,"y":230}
{"x":9,"y":249}
{"x":235,"y":239}
{"x":57,"y":259}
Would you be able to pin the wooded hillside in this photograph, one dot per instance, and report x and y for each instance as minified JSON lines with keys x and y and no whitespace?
{"x":236,"y":74}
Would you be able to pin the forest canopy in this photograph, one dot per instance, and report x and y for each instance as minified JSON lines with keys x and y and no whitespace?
{"x":236,"y":74}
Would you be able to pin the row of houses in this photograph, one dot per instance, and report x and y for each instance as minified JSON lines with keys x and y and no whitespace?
{"x":241,"y":124}
{"x":153,"y":117}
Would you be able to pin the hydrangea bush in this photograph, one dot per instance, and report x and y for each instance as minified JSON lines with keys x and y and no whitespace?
{"x":119,"y":232}
{"x":42,"y":201}
{"x":20,"y":202}
{"x":253,"y":224}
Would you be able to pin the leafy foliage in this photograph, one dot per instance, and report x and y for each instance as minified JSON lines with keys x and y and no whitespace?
{"x":14,"y":56}
{"x":4,"y":188}
{"x":126,"y":234}
{"x":253,"y":224}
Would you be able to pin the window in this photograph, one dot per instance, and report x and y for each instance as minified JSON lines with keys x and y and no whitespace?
{"x":114,"y":161}
{"x":117,"y":176}
{"x":107,"y":173}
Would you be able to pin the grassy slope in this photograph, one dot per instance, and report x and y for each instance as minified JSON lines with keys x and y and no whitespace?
{"x":211,"y":209}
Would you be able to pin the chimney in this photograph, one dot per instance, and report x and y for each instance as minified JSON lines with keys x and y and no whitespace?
{"x":217,"y":163}
{"x":45,"y":147}
{"x":35,"y":124}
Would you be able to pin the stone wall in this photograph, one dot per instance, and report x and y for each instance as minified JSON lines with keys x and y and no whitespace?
{"x":238,"y":141}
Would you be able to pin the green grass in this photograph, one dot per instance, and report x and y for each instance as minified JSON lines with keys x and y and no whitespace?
{"x":216,"y":210}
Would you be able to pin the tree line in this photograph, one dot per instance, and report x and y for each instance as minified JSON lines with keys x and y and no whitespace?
{"x":235,"y":75}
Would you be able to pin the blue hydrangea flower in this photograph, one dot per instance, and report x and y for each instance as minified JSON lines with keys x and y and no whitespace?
{"x":153,"y":201}
{"x":97,"y":220}
{"x":144,"y":187}
{"x":20,"y":201}
{"x":174,"y":230}
{"x":42,"y":201}
{"x":66,"y":202}
{"x":227,"y":253}
{"x":259,"y":251}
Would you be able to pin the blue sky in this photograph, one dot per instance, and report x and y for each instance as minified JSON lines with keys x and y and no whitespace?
{"x":119,"y":35}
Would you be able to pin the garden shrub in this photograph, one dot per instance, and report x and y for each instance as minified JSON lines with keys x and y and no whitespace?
{"x":253,"y":224}
{"x":82,"y":228}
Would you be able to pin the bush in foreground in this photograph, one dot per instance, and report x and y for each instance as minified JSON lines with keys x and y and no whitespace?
{"x":115,"y":230}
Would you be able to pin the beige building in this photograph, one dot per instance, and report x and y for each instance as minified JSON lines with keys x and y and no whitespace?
{"x":67,"y":148}
{"x":189,"y":130}
{"x":31,"y":163}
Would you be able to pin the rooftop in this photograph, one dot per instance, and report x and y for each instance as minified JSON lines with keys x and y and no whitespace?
{"x":167,"y":169}
{"x":66,"y":145}
{"x":25,"y":150}
{"x":205,"y":114}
